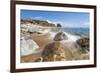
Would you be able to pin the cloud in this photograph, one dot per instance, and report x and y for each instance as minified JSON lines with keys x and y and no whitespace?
{"x":49,"y":21}
{"x":85,"y":25}
{"x":38,"y":17}
{"x":76,"y":24}
{"x":54,"y":22}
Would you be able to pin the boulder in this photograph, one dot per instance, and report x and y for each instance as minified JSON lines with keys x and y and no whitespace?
{"x":54,"y":52}
{"x":28,"y":46}
{"x":60,"y":36}
{"x":84,"y":44}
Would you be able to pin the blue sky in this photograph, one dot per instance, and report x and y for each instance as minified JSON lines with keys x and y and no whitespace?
{"x":67,"y":19}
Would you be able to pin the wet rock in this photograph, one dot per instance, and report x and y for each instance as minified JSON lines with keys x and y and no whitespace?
{"x":54,"y":52}
{"x":84,"y":44}
{"x":60,"y":36}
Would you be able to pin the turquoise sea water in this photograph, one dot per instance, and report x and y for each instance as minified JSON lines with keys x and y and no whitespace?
{"x":80,"y":30}
{"x":74,"y":31}
{"x":83,"y":32}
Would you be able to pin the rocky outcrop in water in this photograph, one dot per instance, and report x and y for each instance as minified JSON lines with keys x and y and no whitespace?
{"x":54,"y":52}
{"x":60,"y":36}
{"x":84,"y":44}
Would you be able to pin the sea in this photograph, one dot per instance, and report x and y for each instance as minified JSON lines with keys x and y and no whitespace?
{"x":82,"y":32}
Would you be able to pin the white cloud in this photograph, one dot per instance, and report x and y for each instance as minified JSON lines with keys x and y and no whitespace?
{"x":76,"y":25}
{"x":54,"y":22}
{"x":86,"y":24}
{"x":38,"y":17}
{"x":49,"y":21}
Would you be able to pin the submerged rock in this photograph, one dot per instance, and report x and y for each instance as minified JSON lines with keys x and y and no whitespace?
{"x":60,"y":36}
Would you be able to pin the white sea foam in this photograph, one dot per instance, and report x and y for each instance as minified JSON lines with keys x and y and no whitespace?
{"x":52,"y":34}
{"x":71,"y":37}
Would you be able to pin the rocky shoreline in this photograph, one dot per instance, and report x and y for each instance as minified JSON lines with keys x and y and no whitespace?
{"x":40,"y":44}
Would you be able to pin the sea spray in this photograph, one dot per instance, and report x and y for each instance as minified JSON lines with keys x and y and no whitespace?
{"x":70,"y":36}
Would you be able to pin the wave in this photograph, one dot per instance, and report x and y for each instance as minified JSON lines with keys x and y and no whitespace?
{"x":71,"y":37}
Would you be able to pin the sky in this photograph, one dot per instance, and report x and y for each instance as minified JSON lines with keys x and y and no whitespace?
{"x":66,"y":19}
